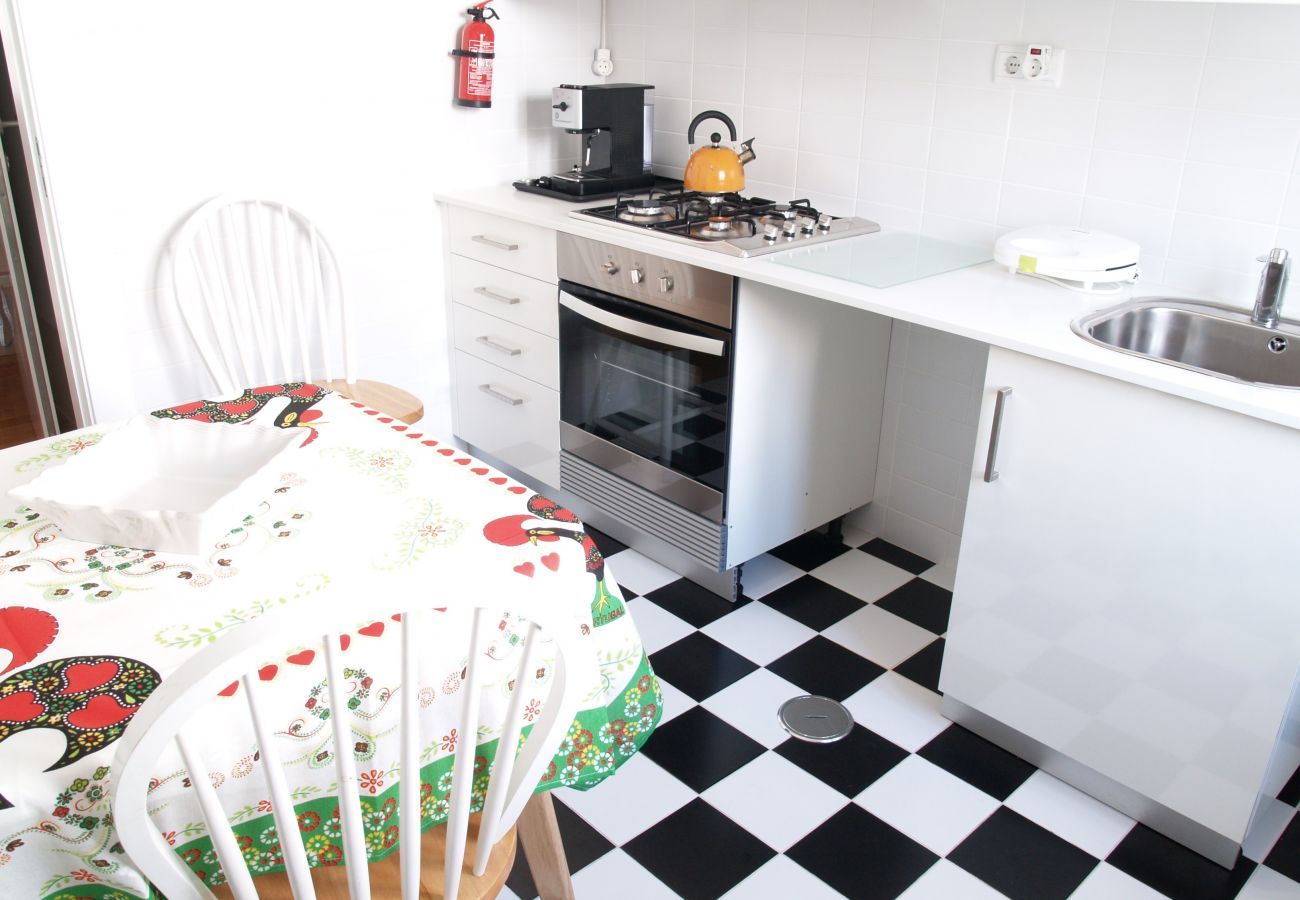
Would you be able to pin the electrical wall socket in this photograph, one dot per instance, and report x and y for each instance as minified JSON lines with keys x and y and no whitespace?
{"x":603,"y":64}
{"x":1035,"y":63}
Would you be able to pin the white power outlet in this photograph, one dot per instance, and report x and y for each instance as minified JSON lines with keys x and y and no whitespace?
{"x":603,"y":64}
{"x":1033,"y":63}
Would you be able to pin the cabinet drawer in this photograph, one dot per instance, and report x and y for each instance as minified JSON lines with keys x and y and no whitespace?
{"x":510,"y":346}
{"x":508,"y":416}
{"x":519,"y":247}
{"x":509,"y":295}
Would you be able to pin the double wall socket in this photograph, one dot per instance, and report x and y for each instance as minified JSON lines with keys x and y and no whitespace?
{"x":1035,"y":63}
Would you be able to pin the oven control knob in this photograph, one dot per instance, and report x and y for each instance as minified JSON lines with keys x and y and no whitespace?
{"x":824,"y":221}
{"x":637,"y":275}
{"x":807,"y":224}
{"x":665,"y":284}
{"x":770,"y":232}
{"x":790,"y":228}
{"x":611,"y":268}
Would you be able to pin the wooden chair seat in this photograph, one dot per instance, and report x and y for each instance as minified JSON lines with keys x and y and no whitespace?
{"x":331,"y":882}
{"x":386,"y":398}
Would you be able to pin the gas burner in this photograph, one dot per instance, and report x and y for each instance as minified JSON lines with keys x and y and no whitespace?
{"x":721,"y":228}
{"x":647,"y":214}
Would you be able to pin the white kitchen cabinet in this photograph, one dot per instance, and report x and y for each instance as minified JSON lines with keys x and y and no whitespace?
{"x":512,"y":347}
{"x":513,"y":419}
{"x":508,"y":295}
{"x":1125,"y":612}
{"x":496,"y":240}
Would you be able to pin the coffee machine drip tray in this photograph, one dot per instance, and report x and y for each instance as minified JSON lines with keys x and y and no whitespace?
{"x":578,"y":187}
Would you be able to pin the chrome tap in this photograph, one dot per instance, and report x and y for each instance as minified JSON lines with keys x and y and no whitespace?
{"x":1272,"y":287}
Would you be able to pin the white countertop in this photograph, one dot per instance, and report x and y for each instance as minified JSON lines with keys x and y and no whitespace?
{"x":984,"y":302}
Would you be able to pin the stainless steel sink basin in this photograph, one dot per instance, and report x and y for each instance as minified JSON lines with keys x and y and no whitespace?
{"x":1205,"y":337}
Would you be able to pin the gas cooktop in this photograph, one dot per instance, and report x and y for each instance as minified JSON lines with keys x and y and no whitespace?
{"x":727,"y":223}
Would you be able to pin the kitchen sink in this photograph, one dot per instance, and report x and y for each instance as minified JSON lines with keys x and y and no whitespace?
{"x":1204,"y":337}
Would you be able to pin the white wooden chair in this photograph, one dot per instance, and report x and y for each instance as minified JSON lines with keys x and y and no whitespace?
{"x":166,"y":716}
{"x":261,"y":296}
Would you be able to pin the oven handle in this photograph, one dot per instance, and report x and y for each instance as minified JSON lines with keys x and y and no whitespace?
{"x":664,"y":336}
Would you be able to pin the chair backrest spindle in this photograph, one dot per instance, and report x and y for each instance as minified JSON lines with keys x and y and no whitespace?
{"x":345,"y":766}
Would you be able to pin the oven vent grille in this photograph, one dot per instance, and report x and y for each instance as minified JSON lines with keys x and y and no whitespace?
{"x":633,"y":505}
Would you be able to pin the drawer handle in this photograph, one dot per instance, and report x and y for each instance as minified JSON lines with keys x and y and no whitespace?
{"x":995,"y":434}
{"x":500,"y":245}
{"x":498,"y":346}
{"x":493,"y":295}
{"x":500,"y":395}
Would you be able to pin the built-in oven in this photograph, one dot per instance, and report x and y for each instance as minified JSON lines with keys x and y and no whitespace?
{"x":646,"y":356}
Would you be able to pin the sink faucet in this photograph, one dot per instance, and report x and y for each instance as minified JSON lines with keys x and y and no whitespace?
{"x":1272,"y":286}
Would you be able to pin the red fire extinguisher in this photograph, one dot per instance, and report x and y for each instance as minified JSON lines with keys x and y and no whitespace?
{"x":476,"y":52}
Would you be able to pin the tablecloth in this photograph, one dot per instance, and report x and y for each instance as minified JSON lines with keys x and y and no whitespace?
{"x":91,"y":630}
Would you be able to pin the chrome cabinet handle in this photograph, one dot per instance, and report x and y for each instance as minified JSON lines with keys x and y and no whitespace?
{"x":493,"y":295}
{"x":995,"y":434}
{"x":498,"y":346}
{"x":500,"y":245}
{"x":500,"y":395}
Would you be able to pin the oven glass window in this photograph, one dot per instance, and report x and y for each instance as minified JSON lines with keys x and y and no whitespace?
{"x":660,"y":402}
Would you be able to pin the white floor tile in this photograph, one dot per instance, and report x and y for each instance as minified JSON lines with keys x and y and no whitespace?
{"x":947,"y":881}
{"x":764,"y":574}
{"x":657,"y":626}
{"x":856,"y":537}
{"x":638,"y":573}
{"x":638,"y":795}
{"x":930,"y":805}
{"x":1267,"y":829}
{"x":751,"y":703}
{"x":1108,"y":883}
{"x":782,"y":877}
{"x":1089,"y":824}
{"x":676,"y":701}
{"x":754,"y":797}
{"x":899,"y":709}
{"x":880,"y":636}
{"x":617,"y":874}
{"x":943,"y":576}
{"x":864,"y":576}
{"x":759,"y":632}
{"x":1266,"y":884}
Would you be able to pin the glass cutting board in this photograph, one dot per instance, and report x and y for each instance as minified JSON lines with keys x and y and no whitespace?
{"x":884,"y":259}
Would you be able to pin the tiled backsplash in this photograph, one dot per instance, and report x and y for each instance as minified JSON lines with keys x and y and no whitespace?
{"x":1176,"y":124}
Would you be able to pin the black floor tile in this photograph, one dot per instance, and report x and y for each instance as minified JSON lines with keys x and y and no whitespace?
{"x":976,"y":761}
{"x":861,"y":856}
{"x":813,"y":602}
{"x":698,"y":852}
{"x":1022,"y":859}
{"x":583,"y":845}
{"x":1290,"y":793}
{"x":923,"y":667}
{"x":809,"y":550}
{"x":604,"y":543}
{"x":1175,"y":871}
{"x":692,"y":603}
{"x":821,"y":666}
{"x":897,"y":556}
{"x":700,"y":666}
{"x":921,"y":603}
{"x":849,"y":765}
{"x":700,"y":749}
{"x":1285,"y":855}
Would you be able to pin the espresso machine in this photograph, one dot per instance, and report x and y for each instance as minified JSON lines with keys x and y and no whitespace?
{"x":615,"y":124}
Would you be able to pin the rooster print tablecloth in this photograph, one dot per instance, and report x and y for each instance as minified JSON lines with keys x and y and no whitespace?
{"x":88,"y":632}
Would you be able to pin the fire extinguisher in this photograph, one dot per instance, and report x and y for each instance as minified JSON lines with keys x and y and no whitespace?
{"x":476,"y":52}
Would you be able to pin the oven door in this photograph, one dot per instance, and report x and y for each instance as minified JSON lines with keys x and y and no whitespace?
{"x":644,"y":394}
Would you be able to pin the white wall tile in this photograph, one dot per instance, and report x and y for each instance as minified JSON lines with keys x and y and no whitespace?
{"x":1237,"y":140}
{"x":967,"y":153}
{"x":668,"y":44}
{"x":894,"y":142}
{"x":828,"y":133}
{"x":1147,"y":225}
{"x":719,"y":13}
{"x":775,"y":165}
{"x":1134,"y":179}
{"x":967,"y":63}
{"x":1047,"y":117}
{"x":1022,"y":206}
{"x":1256,"y":31}
{"x":671,"y":79}
{"x":1151,"y":78}
{"x":771,"y":127}
{"x":1218,"y":243}
{"x":989,"y":20}
{"x":1233,"y":192}
{"x":1266,"y":87}
{"x":773,"y":88}
{"x":1040,"y":164}
{"x":962,"y":198}
{"x":1152,"y":130}
{"x":909,"y":102}
{"x":1161,"y":27}
{"x":907,"y":18}
{"x":903,"y":58}
{"x":892,"y":185}
{"x":718,"y":47}
{"x":1291,"y":207}
{"x":972,"y":109}
{"x":1077,"y":24}
{"x":778,"y":15}
{"x":717,"y":84}
{"x":820,"y":173}
{"x":839,"y":17}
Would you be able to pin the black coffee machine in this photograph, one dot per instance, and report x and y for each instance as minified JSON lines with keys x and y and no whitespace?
{"x":616,"y":125}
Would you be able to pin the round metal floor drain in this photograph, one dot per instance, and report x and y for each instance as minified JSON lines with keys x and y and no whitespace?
{"x":817,"y":719}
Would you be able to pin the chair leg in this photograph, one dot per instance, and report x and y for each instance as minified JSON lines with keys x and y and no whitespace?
{"x":540,"y":835}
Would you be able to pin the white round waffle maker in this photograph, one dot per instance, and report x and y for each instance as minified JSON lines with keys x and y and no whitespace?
{"x":1074,"y":258}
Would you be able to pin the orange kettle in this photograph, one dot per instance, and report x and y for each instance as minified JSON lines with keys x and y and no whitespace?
{"x":716,"y":169}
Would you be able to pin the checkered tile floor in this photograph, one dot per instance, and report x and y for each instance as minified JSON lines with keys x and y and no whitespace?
{"x":721,"y":802}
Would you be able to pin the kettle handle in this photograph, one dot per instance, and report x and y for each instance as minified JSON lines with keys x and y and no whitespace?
{"x":710,"y":114}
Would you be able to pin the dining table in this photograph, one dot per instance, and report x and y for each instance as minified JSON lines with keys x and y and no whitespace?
{"x":362,"y":503}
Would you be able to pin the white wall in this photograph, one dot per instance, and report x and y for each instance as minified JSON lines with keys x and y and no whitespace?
{"x":1177,"y":123}
{"x":149,"y":108}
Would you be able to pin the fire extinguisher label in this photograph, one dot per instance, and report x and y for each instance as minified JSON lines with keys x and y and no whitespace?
{"x":479,"y":83}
